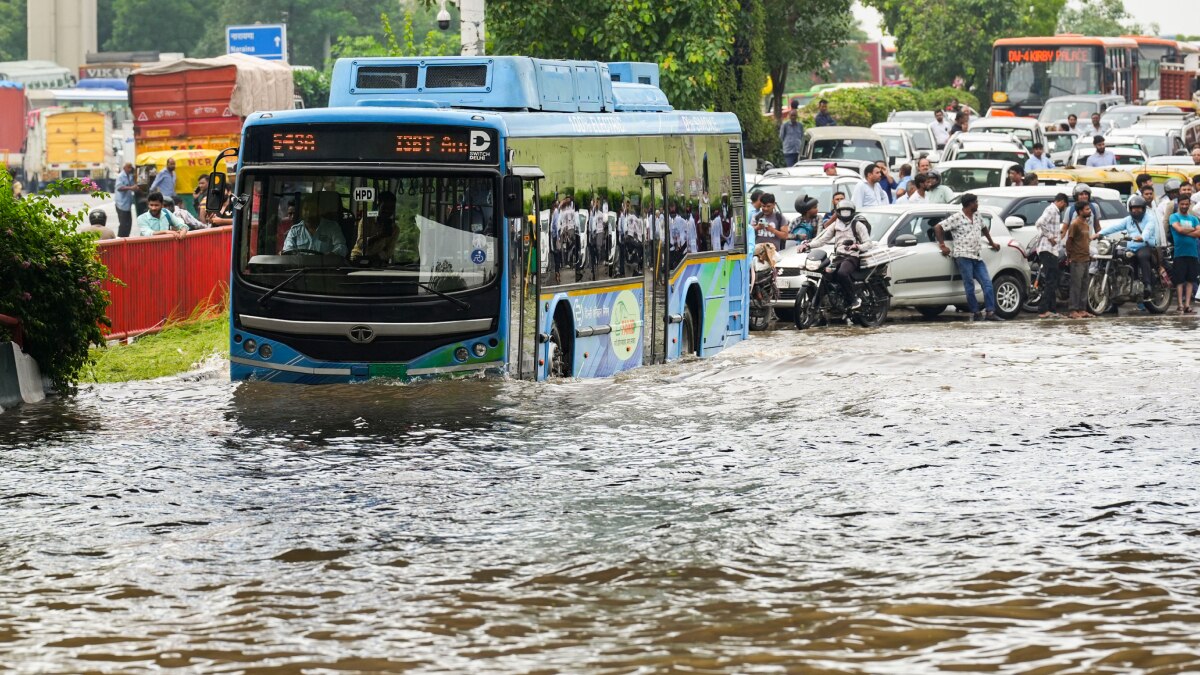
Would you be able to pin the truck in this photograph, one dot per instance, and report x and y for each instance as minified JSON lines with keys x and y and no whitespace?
{"x":68,"y":143}
{"x":201,"y":103}
{"x":13,"y":107}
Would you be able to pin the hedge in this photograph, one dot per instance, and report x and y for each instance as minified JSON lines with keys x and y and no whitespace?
{"x":868,"y":105}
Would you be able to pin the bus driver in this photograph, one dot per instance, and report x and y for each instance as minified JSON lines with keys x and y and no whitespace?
{"x":314,"y":234}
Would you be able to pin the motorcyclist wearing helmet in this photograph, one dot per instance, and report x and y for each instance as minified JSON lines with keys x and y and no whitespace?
{"x":1083,"y":193}
{"x":847,"y":228}
{"x":1139,"y":225}
{"x":804,"y":227}
{"x":935,"y":192}
{"x":98,"y":223}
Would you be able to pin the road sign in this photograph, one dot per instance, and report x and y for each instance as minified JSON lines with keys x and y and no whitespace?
{"x":266,"y":41}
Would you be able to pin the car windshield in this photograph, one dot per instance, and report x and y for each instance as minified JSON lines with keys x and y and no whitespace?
{"x":895,"y":145}
{"x":1024,"y":135}
{"x":1120,"y":120}
{"x":1057,"y":111}
{"x":961,"y":179}
{"x":1154,"y":145}
{"x":1060,"y":142}
{"x":786,"y":194}
{"x":1006,"y":155}
{"x":848,"y":148}
{"x":880,"y":222}
{"x":368,"y":233}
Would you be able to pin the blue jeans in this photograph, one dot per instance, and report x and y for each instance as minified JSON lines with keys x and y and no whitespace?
{"x":973,"y":270}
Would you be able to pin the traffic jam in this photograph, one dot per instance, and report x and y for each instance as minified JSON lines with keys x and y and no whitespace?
{"x":1057,"y":205}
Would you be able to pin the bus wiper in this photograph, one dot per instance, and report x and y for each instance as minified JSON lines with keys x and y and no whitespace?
{"x":262,"y":300}
{"x":460,"y":303}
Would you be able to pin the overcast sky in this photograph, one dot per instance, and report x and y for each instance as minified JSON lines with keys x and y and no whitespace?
{"x":1173,"y":17}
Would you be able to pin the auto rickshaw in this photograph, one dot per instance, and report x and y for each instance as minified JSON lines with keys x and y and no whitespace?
{"x":190,"y":165}
{"x":1120,"y":180}
{"x":1184,"y":173}
{"x":1183,"y":104}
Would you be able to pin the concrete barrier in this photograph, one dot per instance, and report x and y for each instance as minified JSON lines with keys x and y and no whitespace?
{"x":20,"y":378}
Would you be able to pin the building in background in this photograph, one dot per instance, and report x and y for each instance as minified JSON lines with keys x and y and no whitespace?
{"x":62,"y":31}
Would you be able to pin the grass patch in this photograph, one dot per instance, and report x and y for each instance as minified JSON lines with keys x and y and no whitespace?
{"x":178,"y":348}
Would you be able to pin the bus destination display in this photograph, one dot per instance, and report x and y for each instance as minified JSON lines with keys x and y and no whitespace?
{"x":1049,"y":54}
{"x":450,"y":145}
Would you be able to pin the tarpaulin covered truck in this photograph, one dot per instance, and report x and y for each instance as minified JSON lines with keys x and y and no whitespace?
{"x":201,"y":103}
{"x":13,"y":108}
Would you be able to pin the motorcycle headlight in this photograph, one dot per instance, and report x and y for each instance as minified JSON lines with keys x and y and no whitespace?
{"x":1104,"y":247}
{"x":812,"y":265}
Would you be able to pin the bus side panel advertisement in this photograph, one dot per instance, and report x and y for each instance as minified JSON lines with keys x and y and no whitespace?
{"x":618,"y":314}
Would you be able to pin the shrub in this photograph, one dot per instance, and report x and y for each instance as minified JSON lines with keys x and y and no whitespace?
{"x":847,"y":113}
{"x":50,"y":279}
{"x":865,"y":106}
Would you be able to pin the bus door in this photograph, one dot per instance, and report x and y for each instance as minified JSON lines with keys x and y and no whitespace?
{"x":524,"y":280}
{"x":656,"y":271}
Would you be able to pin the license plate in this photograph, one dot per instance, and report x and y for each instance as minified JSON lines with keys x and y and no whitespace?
{"x":812,"y":275}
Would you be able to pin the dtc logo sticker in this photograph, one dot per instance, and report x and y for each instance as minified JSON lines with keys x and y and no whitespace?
{"x":625,"y":334}
{"x":480,"y":147}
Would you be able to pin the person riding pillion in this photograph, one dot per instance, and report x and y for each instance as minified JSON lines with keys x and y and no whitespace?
{"x":850,"y":237}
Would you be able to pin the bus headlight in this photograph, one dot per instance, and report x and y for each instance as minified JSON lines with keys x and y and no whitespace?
{"x":250,"y":345}
{"x":265,"y":351}
{"x":480,"y":350}
{"x":461,"y":354}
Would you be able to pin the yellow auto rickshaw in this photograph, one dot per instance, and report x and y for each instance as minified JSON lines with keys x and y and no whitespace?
{"x":1117,"y":179}
{"x":190,"y":165}
{"x":1183,"y":104}
{"x":1184,"y":173}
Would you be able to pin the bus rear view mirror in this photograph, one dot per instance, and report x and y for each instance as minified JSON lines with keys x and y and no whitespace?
{"x":216,"y":192}
{"x":514,"y":199}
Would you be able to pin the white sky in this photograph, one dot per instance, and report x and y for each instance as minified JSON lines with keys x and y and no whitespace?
{"x":1174,"y":17}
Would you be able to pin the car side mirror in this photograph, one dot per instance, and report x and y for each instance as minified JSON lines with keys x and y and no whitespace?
{"x":514,"y":198}
{"x":1014,"y":222}
{"x":216,"y":191}
{"x":905,"y":240}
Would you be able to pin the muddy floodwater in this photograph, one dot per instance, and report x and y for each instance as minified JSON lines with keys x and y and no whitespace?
{"x":926,"y":497}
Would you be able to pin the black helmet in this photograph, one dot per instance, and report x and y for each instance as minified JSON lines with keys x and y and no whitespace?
{"x":846,"y":211}
{"x":804,"y":203}
{"x":1137,"y":202}
{"x":98,"y":218}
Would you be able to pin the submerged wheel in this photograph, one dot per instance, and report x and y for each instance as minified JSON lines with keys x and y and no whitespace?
{"x":931,"y":311}
{"x":1009,"y":296}
{"x":688,"y":343}
{"x":560,"y":365}
{"x":1160,"y":299}
{"x":872,"y":314}
{"x":804,"y":313}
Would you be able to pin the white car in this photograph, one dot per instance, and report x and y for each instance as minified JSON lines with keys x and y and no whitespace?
{"x":925,"y":279}
{"x":900,"y":147}
{"x":1020,"y":207}
{"x":973,"y":174}
{"x":976,"y":150}
{"x":1126,"y":156}
{"x":958,"y":140}
{"x":787,"y":188}
{"x":1026,"y":129}
{"x":921,"y":133}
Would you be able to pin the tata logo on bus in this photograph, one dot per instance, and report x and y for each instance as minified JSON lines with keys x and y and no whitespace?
{"x":1048,"y":55}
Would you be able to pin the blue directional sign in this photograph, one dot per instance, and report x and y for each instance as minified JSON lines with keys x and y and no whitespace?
{"x":266,"y":41}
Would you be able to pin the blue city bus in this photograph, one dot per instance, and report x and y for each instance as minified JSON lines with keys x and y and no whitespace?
{"x":456,"y":216}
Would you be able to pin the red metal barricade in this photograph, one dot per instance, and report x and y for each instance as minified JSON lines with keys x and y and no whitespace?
{"x":165,"y":277}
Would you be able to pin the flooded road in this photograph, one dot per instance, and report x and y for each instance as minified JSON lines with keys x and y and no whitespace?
{"x":925,"y":497}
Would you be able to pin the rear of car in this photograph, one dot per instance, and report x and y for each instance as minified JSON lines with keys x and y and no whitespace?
{"x":845,"y":143}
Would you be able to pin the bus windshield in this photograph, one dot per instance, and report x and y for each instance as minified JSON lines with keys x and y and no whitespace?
{"x":1149,"y":72}
{"x":368,"y":234}
{"x":1028,"y":76}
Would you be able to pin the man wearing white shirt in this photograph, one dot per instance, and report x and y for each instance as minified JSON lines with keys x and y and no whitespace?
{"x":941,"y":130}
{"x":869,"y":193}
{"x":1094,"y":128}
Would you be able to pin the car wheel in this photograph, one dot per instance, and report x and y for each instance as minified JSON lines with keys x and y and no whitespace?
{"x":1010,"y":295}
{"x":931,"y":311}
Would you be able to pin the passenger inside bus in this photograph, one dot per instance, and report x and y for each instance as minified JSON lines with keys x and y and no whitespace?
{"x":314,"y":234}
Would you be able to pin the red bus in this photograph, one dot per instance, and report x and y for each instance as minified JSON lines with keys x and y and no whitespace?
{"x":1027,"y":71}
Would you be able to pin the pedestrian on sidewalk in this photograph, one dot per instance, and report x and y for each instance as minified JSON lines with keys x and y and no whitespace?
{"x":126,"y":188}
{"x":1079,"y":238}
{"x":164,"y":182}
{"x":967,"y":228}
{"x":791,"y":136}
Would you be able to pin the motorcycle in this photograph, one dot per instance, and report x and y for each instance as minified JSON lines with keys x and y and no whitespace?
{"x":765,"y":289}
{"x":1117,"y":279}
{"x":818,"y":299}
{"x":1037,"y":284}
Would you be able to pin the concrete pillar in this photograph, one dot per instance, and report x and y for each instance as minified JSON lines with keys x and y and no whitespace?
{"x":471,"y":13}
{"x":63,"y":31}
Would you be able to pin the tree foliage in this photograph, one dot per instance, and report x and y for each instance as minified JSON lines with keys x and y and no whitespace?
{"x":50,"y":279}
{"x":1103,"y":18}
{"x":156,"y":25}
{"x":804,"y":37}
{"x":12,"y":30}
{"x":939,"y":40}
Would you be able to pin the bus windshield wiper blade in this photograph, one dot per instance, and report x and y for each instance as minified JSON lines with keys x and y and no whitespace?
{"x":299,"y":272}
{"x":461,"y":304}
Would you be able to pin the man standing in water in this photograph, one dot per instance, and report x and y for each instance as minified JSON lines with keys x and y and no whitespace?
{"x":967,"y":228}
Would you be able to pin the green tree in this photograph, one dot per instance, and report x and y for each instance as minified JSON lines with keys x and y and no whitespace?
{"x":156,"y":25}
{"x":104,"y":22}
{"x":1102,"y":18}
{"x":939,"y":40}
{"x":12,"y":30}
{"x":804,"y":36}
{"x":313,"y":26}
